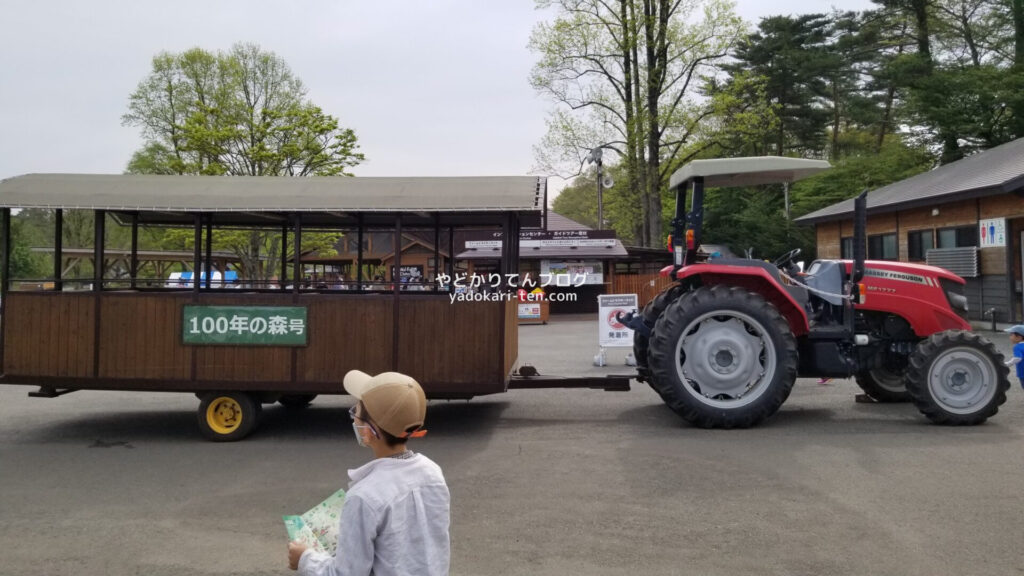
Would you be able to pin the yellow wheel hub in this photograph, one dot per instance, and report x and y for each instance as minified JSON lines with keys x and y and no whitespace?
{"x":224,"y":415}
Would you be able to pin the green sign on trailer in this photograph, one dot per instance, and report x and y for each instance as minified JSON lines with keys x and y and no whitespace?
{"x":244,"y":326}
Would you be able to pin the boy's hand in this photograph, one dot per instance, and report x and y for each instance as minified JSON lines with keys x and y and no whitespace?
{"x":295,"y":550}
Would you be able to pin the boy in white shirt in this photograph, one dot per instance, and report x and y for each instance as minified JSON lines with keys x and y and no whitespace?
{"x":396,"y":514}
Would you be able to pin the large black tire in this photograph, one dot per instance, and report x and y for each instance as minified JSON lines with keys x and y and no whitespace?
{"x":227,"y":416}
{"x":650,"y":314}
{"x":884,"y":385}
{"x":296,"y":401}
{"x":957,"y":378}
{"x":723,"y":357}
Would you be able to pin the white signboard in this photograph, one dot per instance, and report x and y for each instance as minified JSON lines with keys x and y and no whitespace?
{"x":563,"y":242}
{"x":610,"y":331}
{"x":992,"y":232}
{"x":529,"y":309}
{"x":480,"y":244}
{"x":573,"y":272}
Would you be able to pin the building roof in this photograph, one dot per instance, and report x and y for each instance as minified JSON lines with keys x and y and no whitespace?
{"x":999,"y":170}
{"x":730,"y":172}
{"x":558,"y":222}
{"x":148,"y":193}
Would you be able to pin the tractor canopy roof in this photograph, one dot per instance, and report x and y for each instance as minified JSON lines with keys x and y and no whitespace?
{"x":729,"y":172}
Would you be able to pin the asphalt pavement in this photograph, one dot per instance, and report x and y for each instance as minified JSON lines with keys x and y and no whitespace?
{"x":542,"y":482}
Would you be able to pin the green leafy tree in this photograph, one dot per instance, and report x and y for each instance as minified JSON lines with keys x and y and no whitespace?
{"x":242,"y":112}
{"x":625,"y":75}
{"x":790,"y":54}
{"x":239,"y":113}
{"x":853,"y":174}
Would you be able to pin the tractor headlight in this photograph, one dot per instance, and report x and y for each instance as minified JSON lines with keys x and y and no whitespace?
{"x":957,"y":301}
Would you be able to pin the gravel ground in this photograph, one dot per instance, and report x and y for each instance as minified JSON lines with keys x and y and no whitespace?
{"x":542,"y":481}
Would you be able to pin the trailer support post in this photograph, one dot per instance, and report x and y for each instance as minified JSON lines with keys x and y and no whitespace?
{"x":197,"y":261}
{"x":99,"y":242}
{"x":297,"y":260}
{"x":133,"y":266}
{"x":284,"y":255}
{"x":359,"y":252}
{"x":5,"y":271}
{"x":396,"y":279}
{"x":209,"y":250}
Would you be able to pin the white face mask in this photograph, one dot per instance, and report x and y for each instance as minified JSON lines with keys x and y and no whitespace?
{"x":359,"y":437}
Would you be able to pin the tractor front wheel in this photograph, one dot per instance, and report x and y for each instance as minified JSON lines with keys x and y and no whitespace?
{"x":957,"y":378}
{"x":723,"y":357}
{"x":883,"y":384}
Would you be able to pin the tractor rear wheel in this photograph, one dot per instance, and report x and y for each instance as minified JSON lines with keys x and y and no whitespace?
{"x":649,"y":315}
{"x":957,"y":378}
{"x":883,"y":384}
{"x":723,"y":357}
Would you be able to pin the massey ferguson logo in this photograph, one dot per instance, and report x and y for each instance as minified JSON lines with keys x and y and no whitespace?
{"x":898,"y":276}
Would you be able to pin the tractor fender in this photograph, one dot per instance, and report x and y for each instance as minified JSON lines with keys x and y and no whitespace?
{"x":756,"y":280}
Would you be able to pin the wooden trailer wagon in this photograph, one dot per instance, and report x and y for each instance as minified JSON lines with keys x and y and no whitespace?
{"x":283,"y":338}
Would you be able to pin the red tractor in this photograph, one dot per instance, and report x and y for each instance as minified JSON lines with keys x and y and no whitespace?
{"x":724,"y":345}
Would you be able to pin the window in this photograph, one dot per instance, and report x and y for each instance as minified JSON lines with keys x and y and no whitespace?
{"x":846,"y":248}
{"x":919,"y":242}
{"x":883,"y":247}
{"x":959,"y":237}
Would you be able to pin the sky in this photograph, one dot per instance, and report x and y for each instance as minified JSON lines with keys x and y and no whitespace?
{"x":431,"y":87}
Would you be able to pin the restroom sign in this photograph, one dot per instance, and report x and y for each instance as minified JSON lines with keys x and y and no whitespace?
{"x":992,"y":232}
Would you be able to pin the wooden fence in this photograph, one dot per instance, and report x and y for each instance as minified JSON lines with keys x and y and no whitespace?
{"x":645,"y":286}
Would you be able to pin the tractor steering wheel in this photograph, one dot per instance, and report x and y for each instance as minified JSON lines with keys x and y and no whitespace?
{"x":787,"y":259}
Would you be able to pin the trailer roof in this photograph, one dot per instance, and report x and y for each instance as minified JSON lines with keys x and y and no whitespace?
{"x":148,"y":193}
{"x":728,"y":172}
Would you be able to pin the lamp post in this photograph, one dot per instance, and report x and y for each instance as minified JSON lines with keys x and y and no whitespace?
{"x":595,"y":157}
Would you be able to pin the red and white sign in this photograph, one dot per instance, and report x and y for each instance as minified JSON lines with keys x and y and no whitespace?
{"x":611,"y":332}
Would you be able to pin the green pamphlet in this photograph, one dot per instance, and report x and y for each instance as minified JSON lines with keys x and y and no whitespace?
{"x":318,"y":528}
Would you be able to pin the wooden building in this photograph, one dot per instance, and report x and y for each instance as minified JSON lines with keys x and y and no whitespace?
{"x":967,"y":216}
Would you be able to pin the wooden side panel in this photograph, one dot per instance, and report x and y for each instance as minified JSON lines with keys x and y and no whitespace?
{"x":461,"y":349}
{"x":140,"y":337}
{"x":347,"y":333}
{"x":244,"y":363}
{"x":1003,"y":206}
{"x":992,"y":260}
{"x":645,"y":286}
{"x":49,"y":334}
{"x":828,"y":235}
{"x":452,"y":347}
{"x":511,"y":338}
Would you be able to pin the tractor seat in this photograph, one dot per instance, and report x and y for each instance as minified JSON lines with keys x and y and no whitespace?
{"x":826,"y":276}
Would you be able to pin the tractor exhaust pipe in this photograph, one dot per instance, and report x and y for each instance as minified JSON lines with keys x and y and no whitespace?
{"x":860,"y":240}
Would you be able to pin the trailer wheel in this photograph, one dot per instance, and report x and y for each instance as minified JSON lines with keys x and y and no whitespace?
{"x":650,"y":314}
{"x":957,"y":378}
{"x":723,"y":357}
{"x":227,"y":416}
{"x":295,"y":401}
{"x":883,"y":385}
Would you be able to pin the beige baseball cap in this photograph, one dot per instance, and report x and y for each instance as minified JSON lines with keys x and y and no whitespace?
{"x":394,"y":401}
